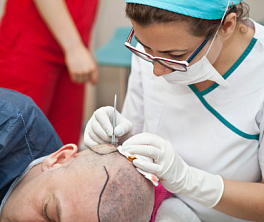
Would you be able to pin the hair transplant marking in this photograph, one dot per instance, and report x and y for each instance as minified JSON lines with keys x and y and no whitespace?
{"x":100,"y":196}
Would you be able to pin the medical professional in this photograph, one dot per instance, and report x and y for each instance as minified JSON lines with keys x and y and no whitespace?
{"x":44,"y":54}
{"x":195,"y":105}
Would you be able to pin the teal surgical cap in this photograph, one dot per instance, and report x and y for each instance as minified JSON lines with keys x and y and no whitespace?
{"x":204,"y":9}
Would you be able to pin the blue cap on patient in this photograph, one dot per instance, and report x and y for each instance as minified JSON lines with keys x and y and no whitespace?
{"x":204,"y":9}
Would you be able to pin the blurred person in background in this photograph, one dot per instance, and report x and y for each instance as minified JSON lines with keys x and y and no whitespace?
{"x":44,"y":54}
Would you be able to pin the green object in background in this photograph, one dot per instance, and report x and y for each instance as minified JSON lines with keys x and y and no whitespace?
{"x":114,"y":53}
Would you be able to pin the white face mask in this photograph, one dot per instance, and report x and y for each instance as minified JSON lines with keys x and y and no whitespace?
{"x":198,"y":72}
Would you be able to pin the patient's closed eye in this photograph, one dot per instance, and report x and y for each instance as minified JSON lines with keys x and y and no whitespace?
{"x":45,"y":213}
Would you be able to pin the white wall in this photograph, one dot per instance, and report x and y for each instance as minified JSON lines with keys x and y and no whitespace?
{"x":2,"y":2}
{"x":256,"y":9}
{"x":111,"y":14}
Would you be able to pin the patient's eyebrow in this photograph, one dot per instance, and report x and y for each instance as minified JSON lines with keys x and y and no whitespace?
{"x":100,"y":196}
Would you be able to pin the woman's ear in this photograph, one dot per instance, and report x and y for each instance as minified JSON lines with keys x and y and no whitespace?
{"x":229,"y":26}
{"x":60,"y":157}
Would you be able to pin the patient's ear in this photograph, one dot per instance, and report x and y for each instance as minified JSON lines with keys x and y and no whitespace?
{"x":60,"y":157}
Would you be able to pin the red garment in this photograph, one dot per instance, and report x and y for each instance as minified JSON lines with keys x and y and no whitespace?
{"x":160,"y":194}
{"x":32,"y":62}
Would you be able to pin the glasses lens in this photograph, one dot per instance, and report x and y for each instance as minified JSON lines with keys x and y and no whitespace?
{"x":174,"y":66}
{"x":141,"y":55}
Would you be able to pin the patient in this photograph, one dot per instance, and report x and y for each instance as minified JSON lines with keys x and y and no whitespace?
{"x":95,"y":184}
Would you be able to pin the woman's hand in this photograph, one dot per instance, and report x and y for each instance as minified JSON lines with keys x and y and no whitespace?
{"x":174,"y":174}
{"x":99,"y":128}
{"x":81,"y":65}
{"x":79,"y":61}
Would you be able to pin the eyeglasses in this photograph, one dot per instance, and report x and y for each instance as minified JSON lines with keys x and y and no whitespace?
{"x":169,"y":63}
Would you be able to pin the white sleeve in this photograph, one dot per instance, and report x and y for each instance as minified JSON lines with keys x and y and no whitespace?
{"x":133,"y":108}
{"x":260,"y":120}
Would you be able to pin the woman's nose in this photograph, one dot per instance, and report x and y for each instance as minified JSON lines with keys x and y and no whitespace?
{"x":160,"y":70}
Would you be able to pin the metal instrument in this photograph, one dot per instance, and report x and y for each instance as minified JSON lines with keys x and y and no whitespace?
{"x":114,"y":140}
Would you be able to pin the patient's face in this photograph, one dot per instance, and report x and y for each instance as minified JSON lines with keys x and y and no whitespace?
{"x":70,"y":193}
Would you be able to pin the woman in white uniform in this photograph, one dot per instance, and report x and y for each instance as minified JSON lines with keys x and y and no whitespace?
{"x":197,"y":88}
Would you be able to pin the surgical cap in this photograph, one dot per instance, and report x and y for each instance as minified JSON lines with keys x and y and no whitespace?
{"x":204,"y":9}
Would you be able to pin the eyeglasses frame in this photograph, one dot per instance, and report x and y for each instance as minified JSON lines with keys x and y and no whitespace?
{"x":184,"y":64}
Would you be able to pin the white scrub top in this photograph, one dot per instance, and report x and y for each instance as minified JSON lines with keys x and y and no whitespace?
{"x":218,"y":130}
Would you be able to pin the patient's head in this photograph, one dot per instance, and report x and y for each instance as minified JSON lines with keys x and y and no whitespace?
{"x":95,"y":184}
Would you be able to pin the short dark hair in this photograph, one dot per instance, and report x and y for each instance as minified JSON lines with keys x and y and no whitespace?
{"x":146,"y":15}
{"x":126,"y":195}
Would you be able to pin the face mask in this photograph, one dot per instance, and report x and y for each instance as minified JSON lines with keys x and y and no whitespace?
{"x":198,"y":72}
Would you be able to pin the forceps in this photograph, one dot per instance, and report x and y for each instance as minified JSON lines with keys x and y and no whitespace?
{"x":114,"y":140}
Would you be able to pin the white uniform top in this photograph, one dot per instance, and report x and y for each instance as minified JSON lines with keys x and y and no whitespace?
{"x":218,"y":130}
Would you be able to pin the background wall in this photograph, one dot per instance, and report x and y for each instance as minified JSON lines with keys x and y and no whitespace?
{"x":111,"y":14}
{"x":256,"y":9}
{"x":1,"y":6}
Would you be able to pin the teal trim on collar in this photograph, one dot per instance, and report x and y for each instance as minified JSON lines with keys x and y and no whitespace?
{"x":233,"y":68}
{"x":222,"y":119}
